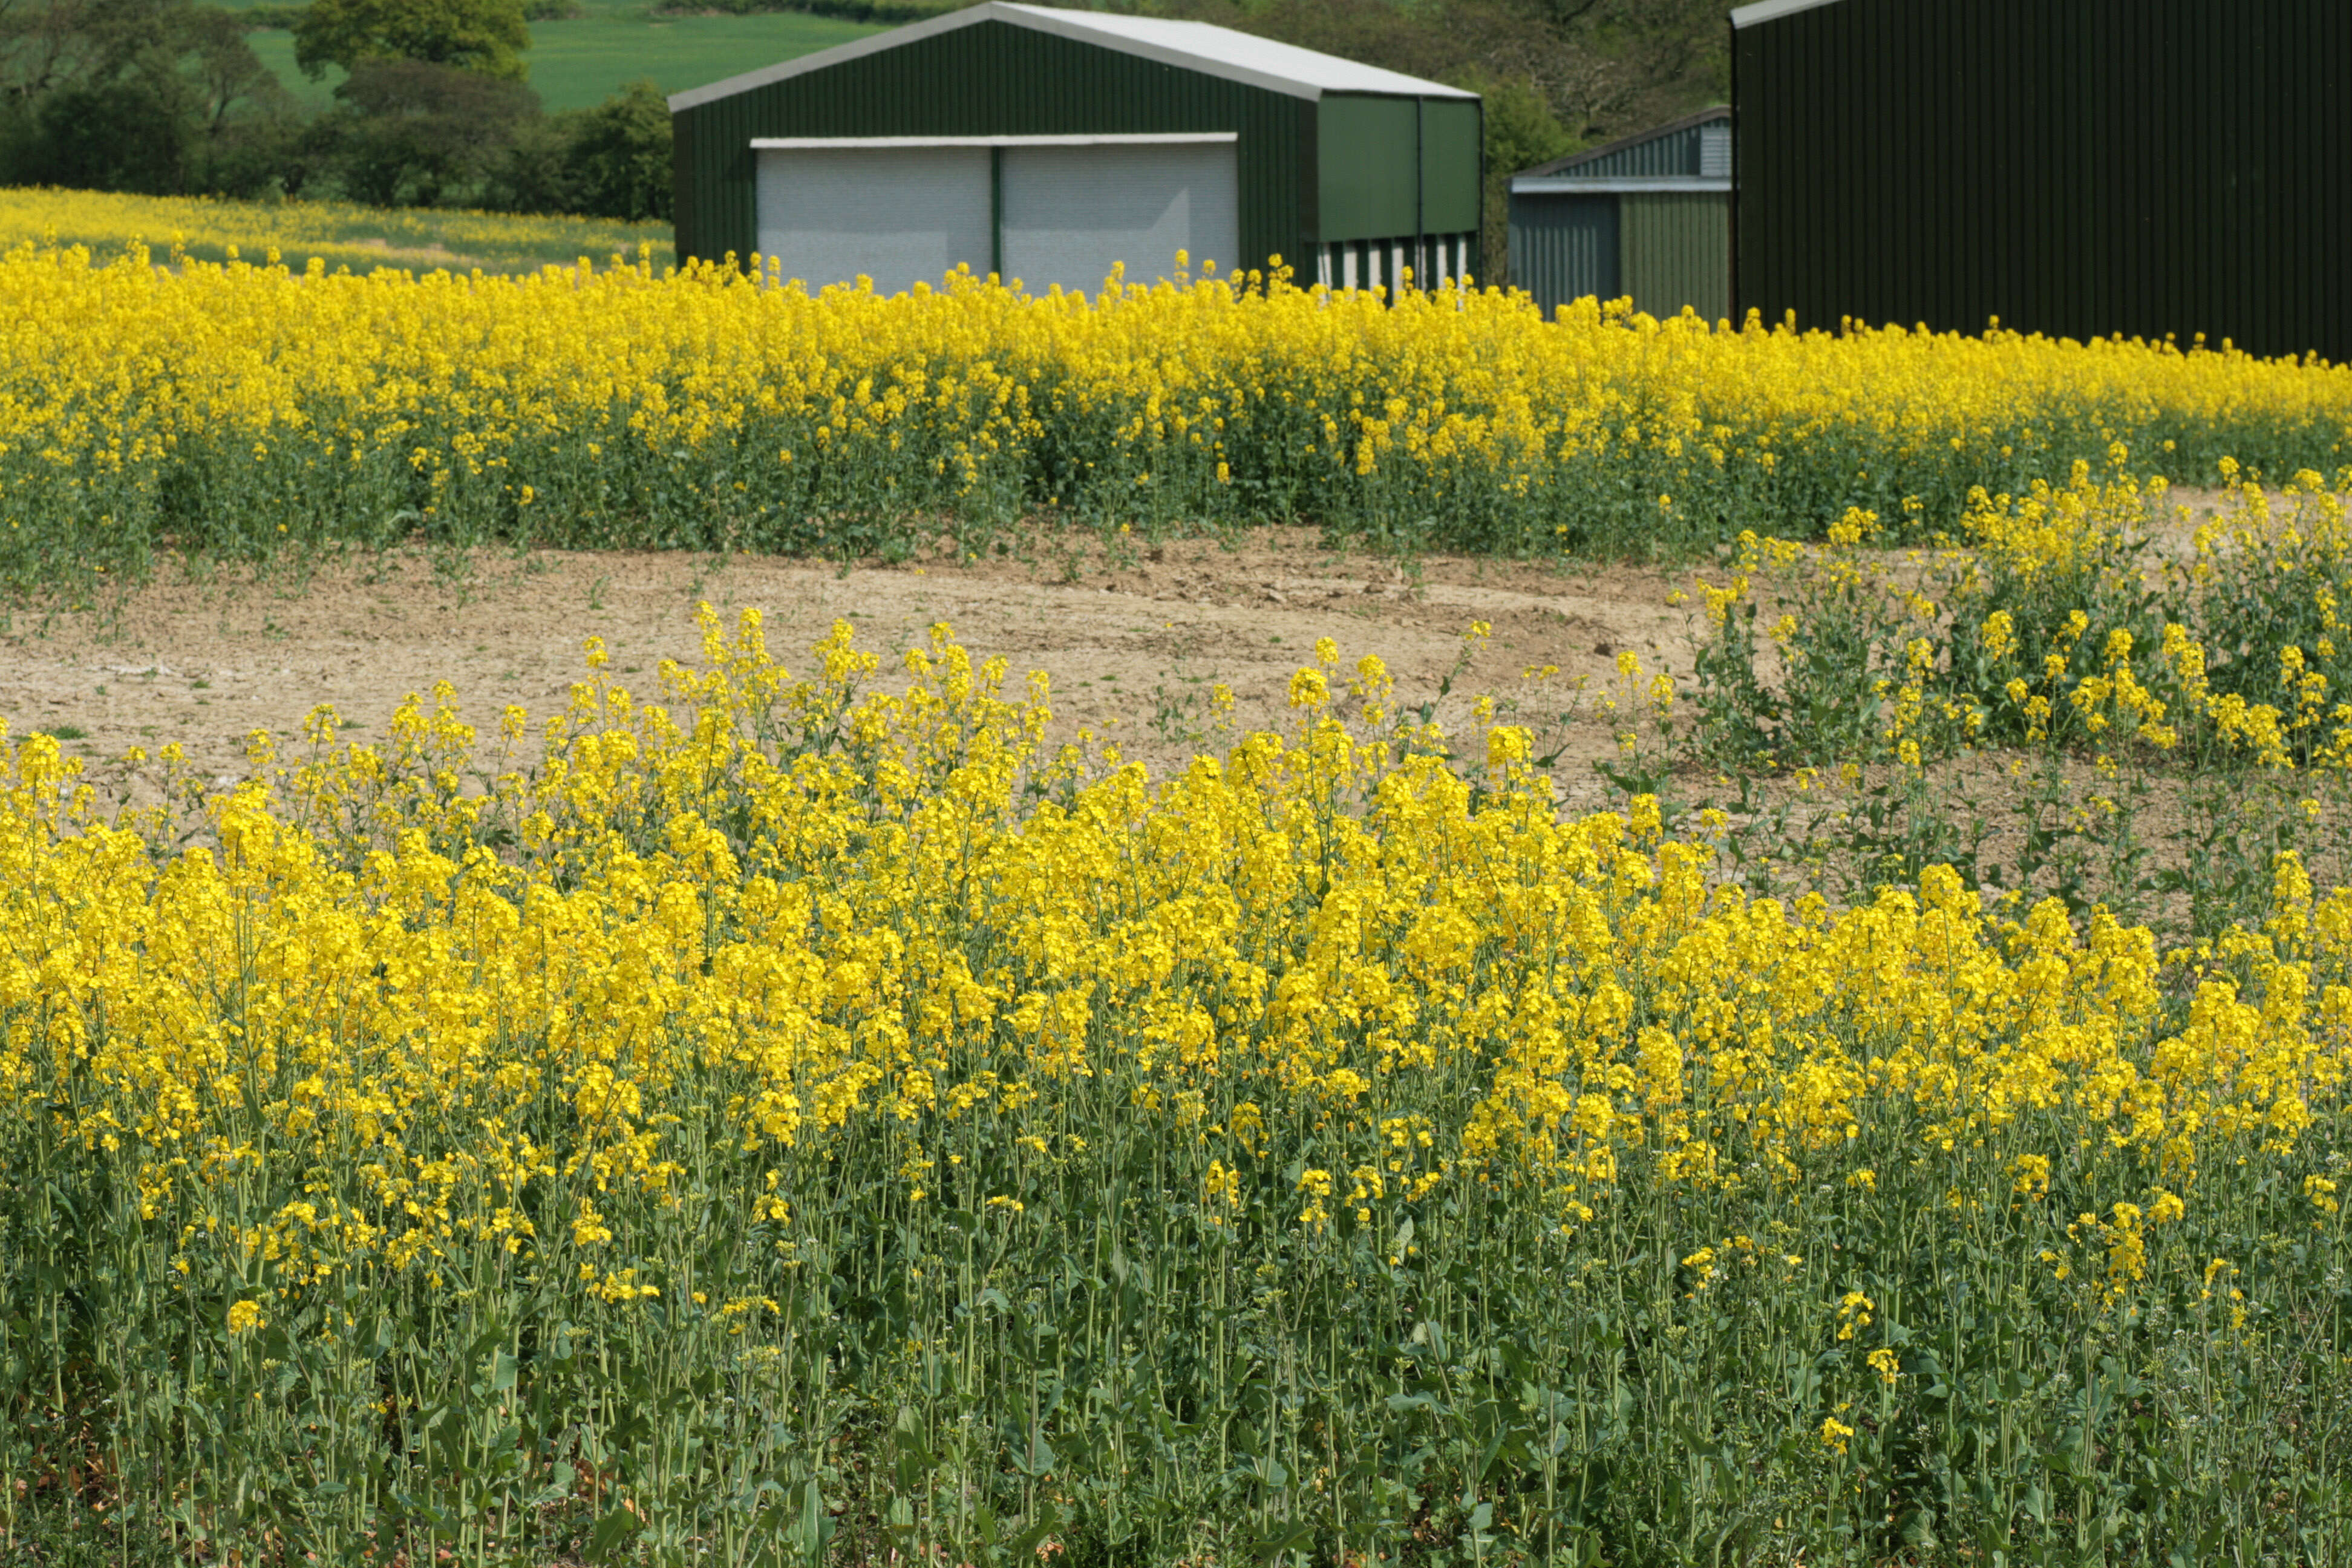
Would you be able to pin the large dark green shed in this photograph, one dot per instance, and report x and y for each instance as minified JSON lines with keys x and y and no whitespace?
{"x":1048,"y":145}
{"x":2075,"y":167}
{"x":1648,"y":215}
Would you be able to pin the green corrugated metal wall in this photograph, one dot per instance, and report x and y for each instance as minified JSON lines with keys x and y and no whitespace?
{"x":1665,"y":249}
{"x":1677,"y":250}
{"x":1366,"y":150}
{"x":2076,"y":167}
{"x":1564,"y":248}
{"x":1366,"y":179}
{"x":995,"y":80}
{"x":1449,"y":146}
{"x":1395,"y":168}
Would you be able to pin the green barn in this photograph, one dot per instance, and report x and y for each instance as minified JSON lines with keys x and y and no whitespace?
{"x":1648,"y":217}
{"x":2075,"y":167}
{"x":1046,"y":145}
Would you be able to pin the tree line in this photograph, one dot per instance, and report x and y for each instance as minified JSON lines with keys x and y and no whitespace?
{"x":168,"y":97}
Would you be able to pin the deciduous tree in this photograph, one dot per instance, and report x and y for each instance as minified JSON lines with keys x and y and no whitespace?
{"x":620,"y":154}
{"x":409,"y":130}
{"x":124,"y":94}
{"x":486,"y":36}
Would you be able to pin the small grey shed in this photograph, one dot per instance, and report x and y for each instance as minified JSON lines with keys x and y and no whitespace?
{"x":1648,"y":215}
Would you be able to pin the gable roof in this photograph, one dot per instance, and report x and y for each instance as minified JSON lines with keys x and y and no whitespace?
{"x":1575,"y":160}
{"x":1190,"y":45}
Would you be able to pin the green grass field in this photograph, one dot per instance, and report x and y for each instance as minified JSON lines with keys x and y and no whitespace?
{"x":578,"y":63}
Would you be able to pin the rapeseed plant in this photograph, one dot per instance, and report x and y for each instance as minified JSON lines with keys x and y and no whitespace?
{"x":229,"y":408}
{"x":813,"y":1117}
{"x":793,"y":1116}
{"x":2049,"y":624}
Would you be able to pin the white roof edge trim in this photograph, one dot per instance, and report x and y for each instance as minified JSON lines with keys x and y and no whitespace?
{"x":1074,"y":25}
{"x":1108,"y":139}
{"x":1556,"y":185}
{"x":1765,"y":10}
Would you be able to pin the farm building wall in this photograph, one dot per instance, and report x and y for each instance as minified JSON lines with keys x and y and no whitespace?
{"x":1453,"y":178}
{"x":2075,"y":167}
{"x":1564,"y":248}
{"x":1676,"y":252}
{"x":1399,"y":185}
{"x":1367,"y":184}
{"x":1647,"y":216}
{"x":996,"y":79}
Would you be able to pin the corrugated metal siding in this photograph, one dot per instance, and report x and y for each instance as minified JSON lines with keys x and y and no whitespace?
{"x":1366,"y":169}
{"x":1071,"y":212}
{"x":1675,"y":153}
{"x":996,"y":79}
{"x":898,"y":216}
{"x":1368,"y":184}
{"x":686,"y":215}
{"x":1715,"y":151}
{"x":2078,"y":167}
{"x":1564,"y":248}
{"x":1449,"y":165}
{"x":1676,"y":252}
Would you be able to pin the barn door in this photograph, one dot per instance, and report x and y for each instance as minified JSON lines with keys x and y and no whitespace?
{"x":899,"y":216}
{"x":1070,"y":213}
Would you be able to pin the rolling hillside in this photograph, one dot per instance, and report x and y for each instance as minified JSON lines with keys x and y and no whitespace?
{"x":579,"y":62}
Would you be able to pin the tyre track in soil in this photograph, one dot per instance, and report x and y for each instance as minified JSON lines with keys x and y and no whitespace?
{"x":1130,"y":641}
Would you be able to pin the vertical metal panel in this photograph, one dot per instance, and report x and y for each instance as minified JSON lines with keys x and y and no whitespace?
{"x":1732,"y":53}
{"x":1073,"y":212}
{"x":1676,"y":252}
{"x":1449,"y":165}
{"x":1476,"y":259}
{"x":992,"y":78}
{"x":996,"y":211}
{"x":1565,"y":247}
{"x":1366,"y":186}
{"x":1306,"y":162}
{"x":2077,"y":167}
{"x":898,"y":216}
{"x":685,"y":213}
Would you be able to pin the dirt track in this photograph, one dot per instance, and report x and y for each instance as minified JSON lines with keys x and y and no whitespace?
{"x":1131,"y":644}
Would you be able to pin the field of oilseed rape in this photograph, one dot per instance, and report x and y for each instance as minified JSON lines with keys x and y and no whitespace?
{"x":236,"y":410}
{"x":813,"y":1118}
{"x":110,"y":223}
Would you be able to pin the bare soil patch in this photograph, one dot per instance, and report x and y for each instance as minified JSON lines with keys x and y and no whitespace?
{"x":1133,"y":643}
{"x":1131,"y":640}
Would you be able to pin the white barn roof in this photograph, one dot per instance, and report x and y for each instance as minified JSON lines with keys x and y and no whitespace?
{"x":1192,"y":46}
{"x":1765,"y":10}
